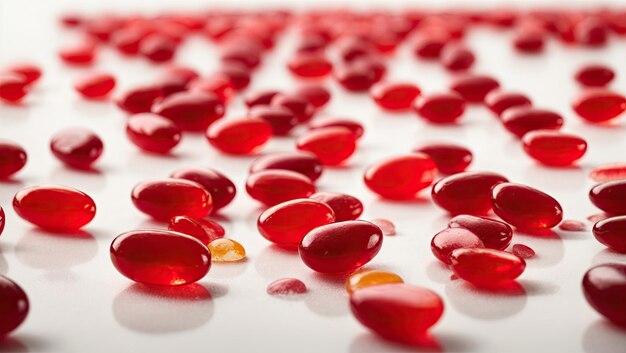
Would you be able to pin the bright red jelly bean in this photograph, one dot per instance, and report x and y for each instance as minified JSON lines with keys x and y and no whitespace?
{"x":524,"y":207}
{"x":486,"y":267}
{"x":31,"y":72}
{"x":594,"y":75}
{"x":553,"y":147}
{"x":396,"y":311}
{"x":529,"y":41}
{"x":357,"y":129}
{"x":494,"y":234}
{"x":310,"y":65}
{"x":430,"y":46}
{"x":12,"y":158}
{"x":317,"y":95}
{"x":158,"y":47}
{"x":604,"y":287}
{"x":340,"y":247}
{"x":301,"y":162}
{"x":610,"y":196}
{"x":260,"y":98}
{"x":13,"y":87}
{"x":355,"y":78}
{"x":466,"y":192}
{"x":522,"y":119}
{"x":449,"y":158}
{"x":160,"y":257}
{"x":239,"y":136}
{"x":444,"y":242}
{"x":332,"y":145}
{"x":394,"y":96}
{"x":166,"y":198}
{"x":81,"y":53}
{"x":288,"y":222}
{"x":76,"y":147}
{"x":607,"y":172}
{"x":286,"y":286}
{"x":401,"y":177}
{"x":457,"y":58}
{"x":54,"y":207}
{"x":474,"y":88}
{"x":599,"y":105}
{"x":344,"y":206}
{"x":612,"y":233}
{"x":218,"y":84}
{"x":140,"y":99}
{"x":300,"y":106}
{"x":281,"y":119}
{"x":274,"y":186}
{"x":95,"y":85}
{"x":498,"y":101}
{"x":152,"y":133}
{"x":14,"y":305}
{"x":440,"y":108}
{"x":205,"y":230}
{"x":221,"y":188}
{"x":190,"y":111}
{"x":522,"y":251}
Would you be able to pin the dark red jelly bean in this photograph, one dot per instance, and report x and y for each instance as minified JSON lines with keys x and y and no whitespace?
{"x":140,"y":99}
{"x":595,"y":75}
{"x":430,"y":46}
{"x":498,"y":101}
{"x":190,"y":111}
{"x":81,"y":53}
{"x":525,"y":207}
{"x":401,"y":177}
{"x":274,"y":186}
{"x":31,"y":72}
{"x":288,"y":222}
{"x":127,"y":40}
{"x":281,"y":119}
{"x":95,"y":85}
{"x":522,"y":119}
{"x":591,"y":32}
{"x":12,"y":158}
{"x":221,"y":188}
{"x":300,"y":106}
{"x":494,"y":234}
{"x":610,"y":196}
{"x":218,"y":84}
{"x":332,"y":145}
{"x":166,"y":198}
{"x":604,"y":287}
{"x":152,"y":133}
{"x":455,"y":57}
{"x":54,"y":207}
{"x":355,"y":78}
{"x":529,"y":41}
{"x":474,"y":88}
{"x":599,"y":105}
{"x":301,"y":162}
{"x":372,"y":64}
{"x":444,"y":242}
{"x":345,"y":207}
{"x":553,"y":147}
{"x":310,"y":65}
{"x":486,"y":267}
{"x":76,"y":147}
{"x":238,"y":74}
{"x":13,"y":87}
{"x":394,"y":96}
{"x":319,"y":123}
{"x":449,"y":158}
{"x":612,"y":233}
{"x":441,"y":108}
{"x":260,"y":98}
{"x":158,"y":47}
{"x":340,"y":247}
{"x":317,"y":95}
{"x":175,"y":79}
{"x":205,"y":230}
{"x":239,"y":136}
{"x":13,"y":305}
{"x":467,"y":192}
{"x":146,"y":256}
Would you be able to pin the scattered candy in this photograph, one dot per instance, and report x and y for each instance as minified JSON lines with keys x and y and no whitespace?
{"x":522,"y":251}
{"x":226,"y":250}
{"x":345,"y":207}
{"x":14,"y":305}
{"x":366,"y":278}
{"x":166,"y":198}
{"x":221,"y":188}
{"x":76,"y":147}
{"x":204,"y":230}
{"x":486,"y":267}
{"x":525,"y":207}
{"x":612,"y":233}
{"x":466,"y":192}
{"x":400,"y":177}
{"x":286,"y":286}
{"x":494,"y":234}
{"x":610,"y":196}
{"x":604,"y":287}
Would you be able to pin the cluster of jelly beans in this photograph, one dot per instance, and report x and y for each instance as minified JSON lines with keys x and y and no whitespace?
{"x":324,"y":227}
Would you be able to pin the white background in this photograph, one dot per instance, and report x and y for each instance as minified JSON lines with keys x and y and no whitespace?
{"x":80,"y":303}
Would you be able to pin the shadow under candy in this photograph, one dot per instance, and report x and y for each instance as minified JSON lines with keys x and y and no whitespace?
{"x":432,"y":342}
{"x":41,"y":249}
{"x":486,"y":304}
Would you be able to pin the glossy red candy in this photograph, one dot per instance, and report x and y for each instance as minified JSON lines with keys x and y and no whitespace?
{"x":152,"y":133}
{"x":466,"y":192}
{"x":140,"y":99}
{"x":610,"y":196}
{"x":332,"y":145}
{"x":317,"y":95}
{"x":221,"y":188}
{"x":13,"y":305}
{"x":344,"y":206}
{"x":304,"y":163}
{"x":76,"y":147}
{"x":455,"y":57}
{"x":260,"y":98}
{"x":524,"y":207}
{"x":494,"y":234}
{"x":474,"y":88}
{"x":238,"y":74}
{"x":204,"y":230}
{"x":190,"y":111}
{"x":300,"y":106}
{"x":340,"y":247}
{"x":274,"y":186}
{"x":612,"y":233}
{"x":310,"y":65}
{"x":54,"y":207}
{"x":522,"y":119}
{"x":166,"y":198}
{"x":81,"y":53}
{"x":281,"y":119}
{"x":288,"y":222}
{"x":498,"y":101}
{"x":444,"y":242}
{"x":430,"y":46}
{"x":160,"y":257}
{"x":13,"y":87}
{"x":529,"y":41}
{"x":599,"y":105}
{"x":394,"y":96}
{"x":604,"y":287}
{"x":449,"y":158}
{"x":486,"y":267}
{"x":12,"y":158}
{"x":607,"y":172}
{"x":401,"y":177}
{"x":554,"y":148}
{"x":218,"y":84}
{"x":355,"y":78}
{"x":31,"y":72}
{"x":158,"y":47}
{"x":319,"y":123}
{"x":396,"y":311}
{"x":591,"y":32}
{"x":95,"y":85}
{"x":440,"y":108}
{"x":239,"y":136}
{"x":595,"y":75}
{"x":523,"y":251}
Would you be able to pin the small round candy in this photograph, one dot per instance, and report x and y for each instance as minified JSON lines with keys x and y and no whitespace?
{"x":76,"y":147}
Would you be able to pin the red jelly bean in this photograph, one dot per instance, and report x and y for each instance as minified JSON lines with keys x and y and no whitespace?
{"x":80,"y":53}
{"x":221,"y":188}
{"x":310,"y":65}
{"x":332,"y":145}
{"x":13,"y":87}
{"x":260,"y":98}
{"x":272,"y":187}
{"x":396,"y":311}
{"x":239,"y":75}
{"x":444,"y":242}
{"x":525,"y":207}
{"x":13,"y":305}
{"x":158,"y":47}
{"x":204,"y":230}
{"x":394,"y":96}
{"x":288,"y":222}
{"x":612,"y":233}
{"x":95,"y":85}
{"x":486,"y":267}
{"x":401,"y":177}
{"x":239,"y":136}
{"x":152,"y":133}
{"x":32,"y":73}
{"x":160,"y":257}
{"x":304,"y":163}
{"x":553,"y":147}
{"x":345,"y":207}
{"x":355,"y":78}
{"x":529,"y":41}
{"x":430,"y":46}
{"x":494,"y":234}
{"x":466,"y":192}
{"x":12,"y":158}
{"x":474,"y":88}
{"x":599,"y":105}
{"x":140,"y":99}
{"x":190,"y":111}
{"x":591,"y":31}
{"x":218,"y":84}
{"x":449,"y":158}
{"x":440,"y":108}
{"x":166,"y":198}
{"x":613,"y":171}
{"x":604,"y":287}
{"x":595,"y":75}
{"x":76,"y":147}
{"x":498,"y":101}
{"x":281,"y":119}
{"x":317,"y":95}
{"x":54,"y":207}
{"x":610,"y":196}
{"x":456,"y":57}
{"x":300,"y":106}
{"x":286,"y":286}
{"x":522,"y":251}
{"x":522,"y":119}
{"x":357,"y":129}
{"x":340,"y":247}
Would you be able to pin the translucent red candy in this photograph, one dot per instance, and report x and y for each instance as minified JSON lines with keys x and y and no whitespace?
{"x":239,"y":75}
{"x":522,"y":119}
{"x":81,"y":53}
{"x":608,"y":172}
{"x":444,"y":242}
{"x":300,"y":106}
{"x":281,"y":119}
{"x":448,"y":157}
{"x":218,"y":84}
{"x":610,"y":196}
{"x":595,"y":75}
{"x":441,"y":108}
{"x":13,"y":87}
{"x":260,"y":98}
{"x":239,"y":136}
{"x":466,"y":192}
{"x":340,"y":247}
{"x":332,"y":145}
{"x":288,"y":222}
{"x":166,"y":198}
{"x":599,"y":105}
{"x":396,"y":311}
{"x":158,"y":47}
{"x":591,"y":31}
{"x":221,"y":188}
{"x":522,"y":251}
{"x":286,"y":286}
{"x":394,"y":96}
{"x":14,"y":305}
{"x":430,"y":46}
{"x":160,"y":257}
{"x":612,"y":233}
{"x":498,"y":101}
{"x":31,"y":72}
{"x":95,"y":85}
{"x":140,"y":99}
{"x":474,"y":88}
{"x":486,"y":267}
{"x":317,"y":95}
{"x":401,"y":177}
{"x":525,"y":207}
{"x":190,"y":111}
{"x":529,"y":40}
{"x":357,"y":129}
{"x":205,"y":230}
{"x":344,"y":206}
{"x":274,"y":186}
{"x":310,"y":65}
{"x":301,"y":162}
{"x":494,"y":234}
{"x":455,"y":57}
{"x":54,"y":207}
{"x":76,"y":147}
{"x":553,"y":147}
{"x":604,"y":287}
{"x":152,"y":133}
{"x":12,"y":158}
{"x":355,"y":78}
